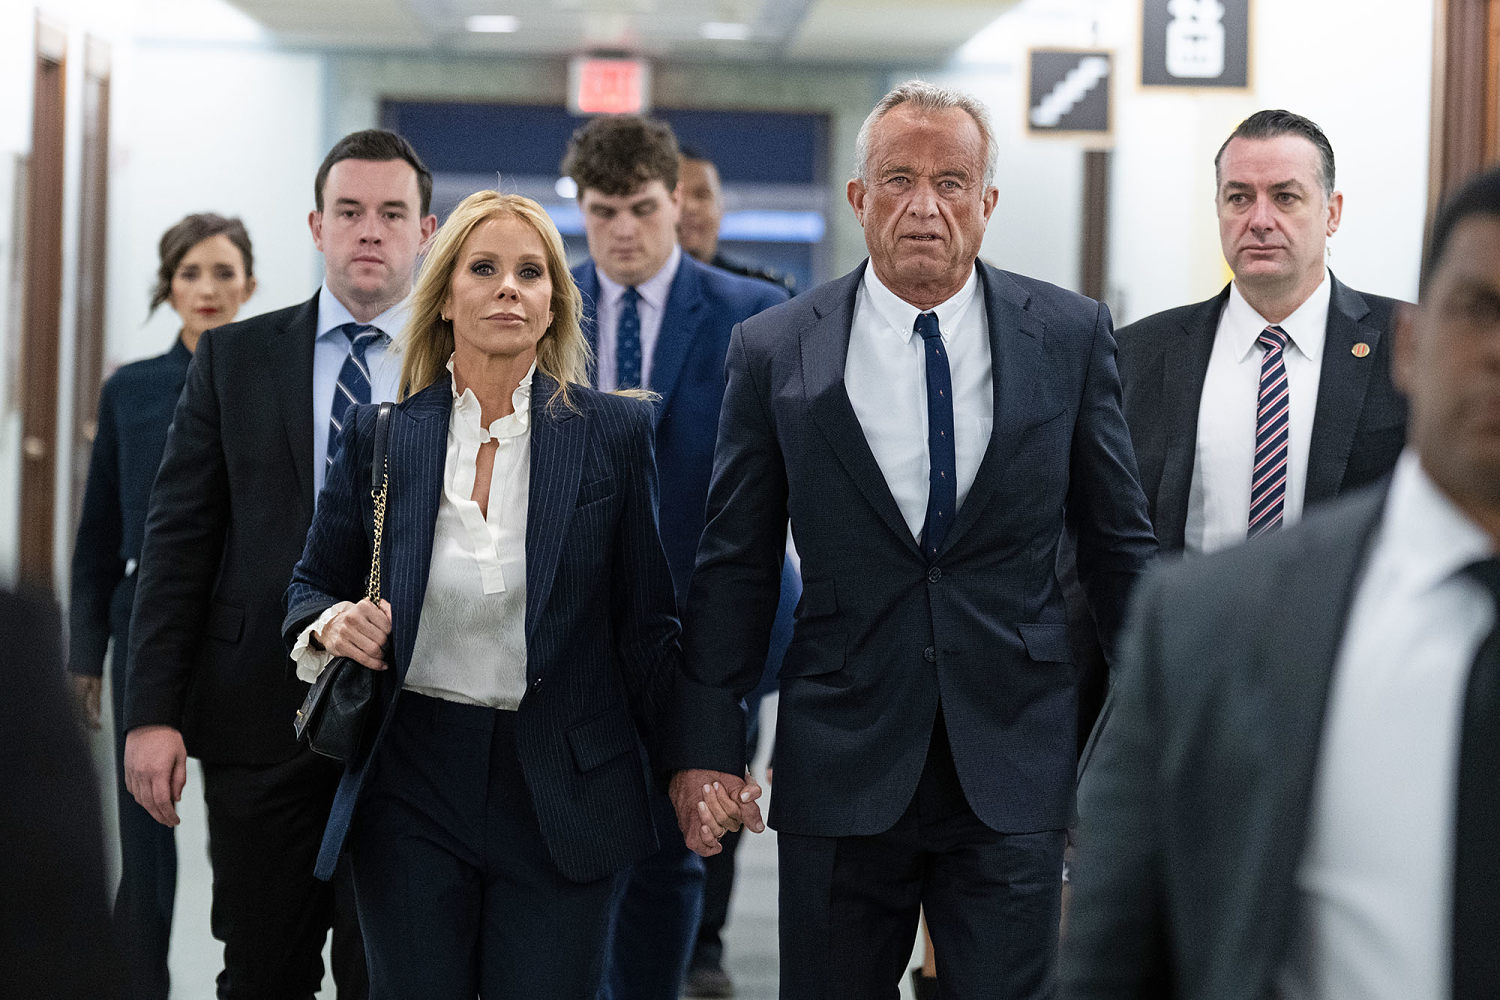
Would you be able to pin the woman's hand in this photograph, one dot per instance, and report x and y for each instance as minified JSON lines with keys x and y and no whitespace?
{"x":360,"y":633}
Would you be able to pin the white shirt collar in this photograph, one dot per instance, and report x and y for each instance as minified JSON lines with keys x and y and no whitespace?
{"x":333,"y":314}
{"x":1426,"y":532}
{"x":466,"y":412}
{"x":901,"y":316}
{"x":653,"y":290}
{"x":1306,"y":328}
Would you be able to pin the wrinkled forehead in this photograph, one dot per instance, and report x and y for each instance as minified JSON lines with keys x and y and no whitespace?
{"x":907,"y":134}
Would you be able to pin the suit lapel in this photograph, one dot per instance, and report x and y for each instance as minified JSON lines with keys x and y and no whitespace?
{"x":293,"y":361}
{"x":1314,"y":587}
{"x":1181,"y":368}
{"x":418,"y":452}
{"x":558,"y":435}
{"x":679,"y":331}
{"x":1016,"y":339}
{"x":824,"y":347}
{"x":1341,"y":390}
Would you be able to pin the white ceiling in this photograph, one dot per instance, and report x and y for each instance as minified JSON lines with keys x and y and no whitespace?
{"x":904,"y":32}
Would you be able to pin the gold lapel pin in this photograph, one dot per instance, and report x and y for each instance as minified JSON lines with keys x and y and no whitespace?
{"x":1360,"y":350}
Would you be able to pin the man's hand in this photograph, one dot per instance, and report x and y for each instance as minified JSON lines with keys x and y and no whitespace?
{"x":708,"y":803}
{"x":359,"y":632}
{"x":86,"y":697}
{"x":156,"y":770}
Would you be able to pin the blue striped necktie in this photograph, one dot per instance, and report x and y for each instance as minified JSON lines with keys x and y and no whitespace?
{"x":1272,"y":430}
{"x":353,"y":385}
{"x":628,"y":342}
{"x":942,"y":485}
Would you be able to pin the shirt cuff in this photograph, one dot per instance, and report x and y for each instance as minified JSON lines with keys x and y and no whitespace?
{"x":309,"y":659}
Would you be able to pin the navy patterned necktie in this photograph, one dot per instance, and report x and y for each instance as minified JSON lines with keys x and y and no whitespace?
{"x":1272,"y":430}
{"x":353,"y":385}
{"x":628,"y":342}
{"x":942,"y":476}
{"x":1476,"y":855}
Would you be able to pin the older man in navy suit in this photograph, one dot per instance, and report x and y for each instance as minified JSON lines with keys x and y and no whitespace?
{"x":660,"y":320}
{"x":930,"y":425}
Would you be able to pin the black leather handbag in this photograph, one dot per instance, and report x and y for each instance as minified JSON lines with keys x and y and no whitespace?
{"x":333,"y":716}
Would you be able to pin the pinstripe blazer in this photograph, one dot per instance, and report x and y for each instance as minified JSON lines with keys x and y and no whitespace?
{"x":601,"y":627}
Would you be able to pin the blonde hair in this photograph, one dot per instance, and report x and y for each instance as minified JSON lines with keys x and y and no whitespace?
{"x":427,"y":343}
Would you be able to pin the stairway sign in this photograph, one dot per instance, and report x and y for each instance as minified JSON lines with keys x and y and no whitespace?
{"x":1069,"y":93}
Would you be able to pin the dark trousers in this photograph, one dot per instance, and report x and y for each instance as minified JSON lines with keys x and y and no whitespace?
{"x":148,"y":871}
{"x":458,"y":895}
{"x":265,"y":823}
{"x":849,"y":904}
{"x":654,"y":917}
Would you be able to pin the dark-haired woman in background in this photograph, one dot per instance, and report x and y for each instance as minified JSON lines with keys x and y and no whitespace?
{"x":528,"y":640}
{"x":206,"y":273}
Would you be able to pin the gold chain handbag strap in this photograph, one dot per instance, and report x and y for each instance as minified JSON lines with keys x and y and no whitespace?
{"x":382,"y":459}
{"x":372,"y":591}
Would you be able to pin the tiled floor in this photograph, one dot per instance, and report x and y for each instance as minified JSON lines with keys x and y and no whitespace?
{"x":750,"y":939}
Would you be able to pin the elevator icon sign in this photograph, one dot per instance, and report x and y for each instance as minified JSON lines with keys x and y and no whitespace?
{"x":1195,"y":43}
{"x":1069,"y":93}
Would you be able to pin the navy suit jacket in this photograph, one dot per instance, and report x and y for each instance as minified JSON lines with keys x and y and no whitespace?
{"x":135,"y":410}
{"x":882,"y":634}
{"x":601,"y":626}
{"x":687,"y":371}
{"x":1359,"y":425}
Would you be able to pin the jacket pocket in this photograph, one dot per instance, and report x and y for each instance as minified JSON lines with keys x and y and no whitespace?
{"x":819,"y":598}
{"x":601,"y":739}
{"x":1046,"y":643}
{"x":226,"y":622}
{"x":597,"y":490}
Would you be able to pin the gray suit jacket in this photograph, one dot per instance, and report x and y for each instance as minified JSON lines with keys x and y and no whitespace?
{"x":1359,"y":426}
{"x":1195,"y":802}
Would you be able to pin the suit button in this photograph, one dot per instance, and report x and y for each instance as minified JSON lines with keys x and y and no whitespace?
{"x":536,"y":684}
{"x":934,"y":575}
{"x":929,"y":654}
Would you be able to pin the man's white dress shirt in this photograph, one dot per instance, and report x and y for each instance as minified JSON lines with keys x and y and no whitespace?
{"x":1375,"y":883}
{"x":329,"y":351}
{"x":1218,"y":514}
{"x":470,"y":645}
{"x":885,"y":375}
{"x":651,"y":308}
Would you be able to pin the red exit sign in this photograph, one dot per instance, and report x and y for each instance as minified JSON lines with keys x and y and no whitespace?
{"x":609,"y":86}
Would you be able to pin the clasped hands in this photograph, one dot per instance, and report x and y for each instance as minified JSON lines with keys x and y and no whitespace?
{"x":711,"y":803}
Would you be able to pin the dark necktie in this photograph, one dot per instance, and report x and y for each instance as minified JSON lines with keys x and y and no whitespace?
{"x":1272,"y":429}
{"x":942,"y":477}
{"x":628,"y":342}
{"x":1476,"y":856}
{"x":353,"y":385}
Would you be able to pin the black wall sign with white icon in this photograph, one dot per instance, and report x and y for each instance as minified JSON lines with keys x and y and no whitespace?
{"x":1195,"y":43}
{"x":1069,"y":92}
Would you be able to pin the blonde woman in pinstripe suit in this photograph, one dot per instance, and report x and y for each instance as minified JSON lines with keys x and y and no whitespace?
{"x":528,"y":641}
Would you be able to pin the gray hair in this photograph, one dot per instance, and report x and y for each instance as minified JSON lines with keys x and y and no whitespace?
{"x":930,"y":98}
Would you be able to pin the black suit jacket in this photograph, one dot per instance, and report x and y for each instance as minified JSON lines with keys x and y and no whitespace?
{"x":229,"y":512}
{"x":135,"y":410}
{"x":1359,"y":426}
{"x":1195,"y":804}
{"x":882,"y":634}
{"x":601,"y":618}
{"x":56,"y":936}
